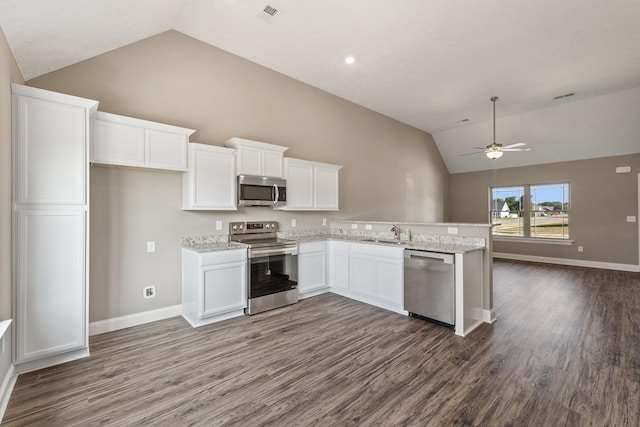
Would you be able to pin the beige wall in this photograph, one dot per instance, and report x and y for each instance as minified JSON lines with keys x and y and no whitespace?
{"x":391,"y":171}
{"x":8,"y":73}
{"x":600,"y":200}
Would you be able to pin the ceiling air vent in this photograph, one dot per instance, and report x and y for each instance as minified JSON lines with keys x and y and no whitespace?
{"x":268,"y":13}
{"x":566,"y":95}
{"x":270,"y":10}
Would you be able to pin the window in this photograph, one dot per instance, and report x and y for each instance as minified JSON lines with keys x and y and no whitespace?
{"x":531,"y":211}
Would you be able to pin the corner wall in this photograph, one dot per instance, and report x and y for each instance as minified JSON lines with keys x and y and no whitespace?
{"x":391,"y":171}
{"x":9,"y":73}
{"x":600,"y":201}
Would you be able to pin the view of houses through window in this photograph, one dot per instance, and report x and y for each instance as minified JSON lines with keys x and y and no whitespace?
{"x":536,"y":211}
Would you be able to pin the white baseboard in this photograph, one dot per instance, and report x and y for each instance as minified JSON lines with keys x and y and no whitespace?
{"x":567,"y":261}
{"x":115,"y":323}
{"x":6,"y":387}
{"x":488,"y":316}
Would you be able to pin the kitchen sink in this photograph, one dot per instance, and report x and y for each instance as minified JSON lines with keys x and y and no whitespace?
{"x":395,"y":242}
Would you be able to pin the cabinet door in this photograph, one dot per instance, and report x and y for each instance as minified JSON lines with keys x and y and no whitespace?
{"x":51,"y":152}
{"x":272,"y":163}
{"x":210,"y":182}
{"x":165,"y":150}
{"x":362,"y":279}
{"x":339,"y":265}
{"x":326,"y":188}
{"x":299,"y":185}
{"x":51,"y":301}
{"x":249,"y":161}
{"x":117,"y":144}
{"x":390,"y":282}
{"x":224,"y":288}
{"x":311,"y":271}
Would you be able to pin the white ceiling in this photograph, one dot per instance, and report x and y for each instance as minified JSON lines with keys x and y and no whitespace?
{"x":427,"y":63}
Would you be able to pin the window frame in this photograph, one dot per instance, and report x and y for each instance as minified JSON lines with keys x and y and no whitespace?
{"x":525,"y":214}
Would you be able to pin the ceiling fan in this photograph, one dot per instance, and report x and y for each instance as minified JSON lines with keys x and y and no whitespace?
{"x":494,"y":150}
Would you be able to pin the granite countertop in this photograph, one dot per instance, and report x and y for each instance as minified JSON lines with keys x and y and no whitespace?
{"x":434,"y":246}
{"x":213,"y":246}
{"x":417,"y":245}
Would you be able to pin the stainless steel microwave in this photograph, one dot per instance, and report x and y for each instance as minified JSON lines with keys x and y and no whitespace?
{"x":261,"y":191}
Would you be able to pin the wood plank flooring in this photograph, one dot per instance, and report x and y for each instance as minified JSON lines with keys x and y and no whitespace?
{"x":565,"y":351}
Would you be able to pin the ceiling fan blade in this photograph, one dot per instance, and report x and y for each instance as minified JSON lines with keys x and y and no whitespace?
{"x":516,"y":149}
{"x":469,"y":154}
{"x":480,"y":148}
{"x":519,"y":144}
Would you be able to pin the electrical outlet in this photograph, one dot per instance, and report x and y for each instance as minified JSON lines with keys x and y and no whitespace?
{"x":294,"y":223}
{"x":149,"y":292}
{"x":452,"y":230}
{"x":151,"y":246}
{"x":580,"y":248}
{"x":368,"y":227}
{"x":218,"y":225}
{"x":324,"y":221}
{"x":354,"y":226}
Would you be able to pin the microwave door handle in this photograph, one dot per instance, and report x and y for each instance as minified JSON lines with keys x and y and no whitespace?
{"x":276,"y":192}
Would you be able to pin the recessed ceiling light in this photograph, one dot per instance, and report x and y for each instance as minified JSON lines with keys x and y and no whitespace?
{"x":349,"y":59}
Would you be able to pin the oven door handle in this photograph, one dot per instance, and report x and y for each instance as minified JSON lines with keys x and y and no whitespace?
{"x":255,"y":253}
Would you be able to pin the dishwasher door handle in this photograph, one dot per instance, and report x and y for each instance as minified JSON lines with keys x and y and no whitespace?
{"x":433,"y":256}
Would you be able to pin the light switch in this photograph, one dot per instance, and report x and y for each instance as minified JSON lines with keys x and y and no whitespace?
{"x":151,"y":246}
{"x":631,"y":219}
{"x":354,"y":226}
{"x":218,"y":225}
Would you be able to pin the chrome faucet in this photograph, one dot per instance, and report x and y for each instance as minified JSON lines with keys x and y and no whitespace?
{"x":396,"y":230}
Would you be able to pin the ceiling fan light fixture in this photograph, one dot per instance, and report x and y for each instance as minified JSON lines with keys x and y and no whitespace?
{"x":494,"y":155}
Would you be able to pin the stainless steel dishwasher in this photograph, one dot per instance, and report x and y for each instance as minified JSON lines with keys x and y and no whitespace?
{"x":429,"y":288}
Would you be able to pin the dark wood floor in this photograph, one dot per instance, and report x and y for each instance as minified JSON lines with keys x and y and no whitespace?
{"x":565,"y":351}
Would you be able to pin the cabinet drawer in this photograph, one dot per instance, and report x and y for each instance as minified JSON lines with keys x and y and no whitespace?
{"x":221,"y":257}
{"x":310,"y":247}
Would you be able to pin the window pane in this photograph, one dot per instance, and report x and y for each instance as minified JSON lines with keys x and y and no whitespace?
{"x":550,"y":211}
{"x":507,"y":210}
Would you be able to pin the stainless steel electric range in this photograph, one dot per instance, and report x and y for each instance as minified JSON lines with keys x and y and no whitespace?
{"x":272,"y":278}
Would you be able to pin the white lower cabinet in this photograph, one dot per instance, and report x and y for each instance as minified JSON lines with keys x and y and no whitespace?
{"x":210,"y":181}
{"x":51,"y":291}
{"x":338,"y":265}
{"x":312,"y":268}
{"x":214,"y":285}
{"x":376,"y":275}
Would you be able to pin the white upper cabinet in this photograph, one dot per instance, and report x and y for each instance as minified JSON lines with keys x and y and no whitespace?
{"x":257,"y":158}
{"x":210,"y":181}
{"x":311,"y":185}
{"x":51,"y":156}
{"x":125,"y":141}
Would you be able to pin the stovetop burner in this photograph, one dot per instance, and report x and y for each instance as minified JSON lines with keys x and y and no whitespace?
{"x":258,"y":234}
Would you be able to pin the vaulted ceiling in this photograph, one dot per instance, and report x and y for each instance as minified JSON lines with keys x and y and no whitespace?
{"x":432,"y":64}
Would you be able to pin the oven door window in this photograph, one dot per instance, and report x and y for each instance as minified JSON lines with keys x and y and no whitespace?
{"x":270,"y":275}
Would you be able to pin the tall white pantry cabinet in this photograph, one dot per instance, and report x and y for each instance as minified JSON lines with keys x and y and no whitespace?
{"x":50,"y":133}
